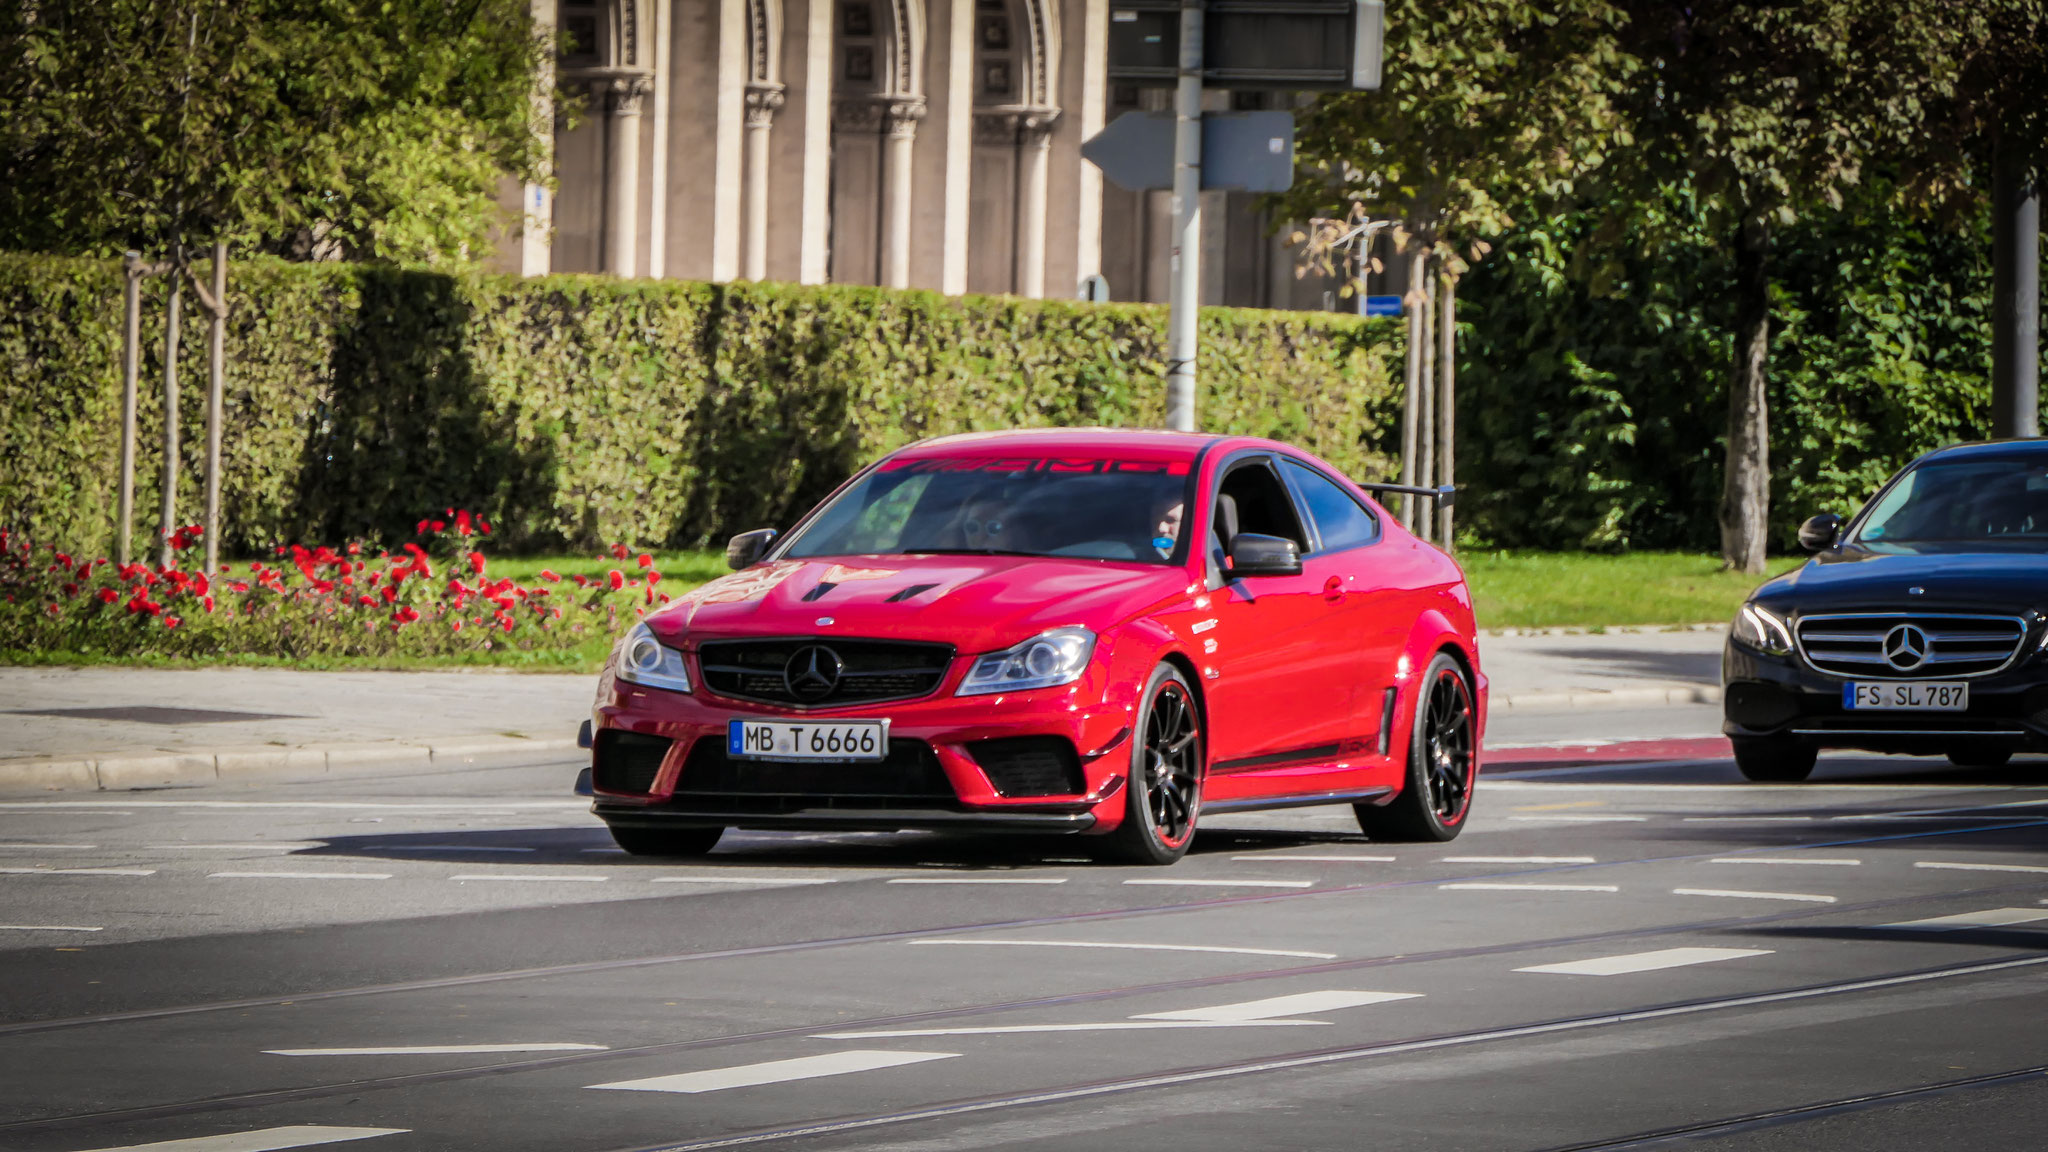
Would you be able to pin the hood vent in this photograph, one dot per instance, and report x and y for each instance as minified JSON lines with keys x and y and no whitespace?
{"x":819,"y":591}
{"x":907,"y":593}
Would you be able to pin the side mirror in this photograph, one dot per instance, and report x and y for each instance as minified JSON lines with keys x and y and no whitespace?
{"x":1254,"y":555}
{"x":1821,"y":532}
{"x":744,"y":549}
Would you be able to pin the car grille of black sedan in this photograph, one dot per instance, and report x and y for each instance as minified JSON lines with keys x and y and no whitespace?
{"x":909,"y":777}
{"x":1908,"y":645}
{"x":822,"y":673}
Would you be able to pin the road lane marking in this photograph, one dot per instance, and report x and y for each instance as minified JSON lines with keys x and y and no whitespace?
{"x":1746,"y":819}
{"x":1960,"y":867}
{"x":564,"y":879}
{"x":1225,"y":883}
{"x":298,"y":875}
{"x":48,"y":928}
{"x":744,"y":880}
{"x":1484,"y":886}
{"x":1322,"y":859}
{"x":261,"y":1140}
{"x":1518,"y":860}
{"x":78,"y":871}
{"x":1588,"y":818}
{"x":1988,"y":918}
{"x":1099,"y":1026}
{"x":1740,"y":894}
{"x":269,"y":846}
{"x":1838,"y":861}
{"x":439,"y":848}
{"x":1645,"y":961}
{"x":25,"y":844}
{"x":1277,"y":1007}
{"x":777,"y":1071}
{"x":436,"y":1050}
{"x":1138,"y":947}
{"x":978,"y":880}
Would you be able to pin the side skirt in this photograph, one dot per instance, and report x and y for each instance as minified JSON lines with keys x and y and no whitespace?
{"x":1311,"y":800}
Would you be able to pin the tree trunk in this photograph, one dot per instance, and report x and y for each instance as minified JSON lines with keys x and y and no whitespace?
{"x":1746,"y":498}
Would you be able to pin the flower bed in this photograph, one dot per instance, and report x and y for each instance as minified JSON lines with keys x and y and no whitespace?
{"x":434,"y":597}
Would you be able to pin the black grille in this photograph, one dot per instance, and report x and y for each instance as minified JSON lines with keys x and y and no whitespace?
{"x":1954,"y":645}
{"x":627,"y":761}
{"x":869,"y":671}
{"x":909,"y":777}
{"x":1030,"y":765}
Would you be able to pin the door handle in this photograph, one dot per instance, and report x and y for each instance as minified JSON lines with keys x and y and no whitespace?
{"x":1333,"y":589}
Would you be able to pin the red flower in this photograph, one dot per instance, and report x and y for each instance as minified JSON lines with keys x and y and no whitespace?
{"x":420,"y":529}
{"x":405,"y":615}
{"x":581,"y":580}
{"x":482,"y":527}
{"x":172,"y":621}
{"x":355,"y":549}
{"x":550,"y":577}
{"x":462,"y":521}
{"x":70,"y":590}
{"x":64,"y":559}
{"x":366,"y":601}
{"x":280,"y":550}
{"x":504,"y":621}
{"x":619,"y":551}
{"x":646,"y":561}
{"x":53,"y":610}
{"x":200,"y":586}
{"x":455,"y":625}
{"x":476,"y":563}
{"x":653,"y":577}
{"x":237,"y":586}
{"x":438,"y":525}
{"x":108,"y":595}
{"x":616,"y":579}
{"x":391,"y":593}
{"x":208,"y":601}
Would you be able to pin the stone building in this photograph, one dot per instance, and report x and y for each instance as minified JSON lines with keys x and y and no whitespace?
{"x":907,"y":143}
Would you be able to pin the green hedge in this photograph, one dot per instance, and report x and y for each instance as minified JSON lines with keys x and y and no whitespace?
{"x":575,"y":411}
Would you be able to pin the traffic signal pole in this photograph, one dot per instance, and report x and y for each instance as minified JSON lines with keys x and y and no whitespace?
{"x":2015,"y":298}
{"x":1185,"y":299}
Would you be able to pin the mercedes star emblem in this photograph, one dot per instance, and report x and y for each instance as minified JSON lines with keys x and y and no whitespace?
{"x":812,"y":673}
{"x":1905,"y":647}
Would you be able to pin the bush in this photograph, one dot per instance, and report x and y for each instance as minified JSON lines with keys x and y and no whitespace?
{"x":572,"y":411}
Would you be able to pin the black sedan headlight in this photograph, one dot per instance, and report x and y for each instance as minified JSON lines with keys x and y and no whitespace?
{"x":1759,"y":628}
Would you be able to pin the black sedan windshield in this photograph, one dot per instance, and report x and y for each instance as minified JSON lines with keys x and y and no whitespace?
{"x":1090,"y":509}
{"x":1999,"y":503}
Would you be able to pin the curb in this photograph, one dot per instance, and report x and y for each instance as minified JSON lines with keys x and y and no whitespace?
{"x":156,"y":769}
{"x":1605,"y":630}
{"x":1619,"y":698}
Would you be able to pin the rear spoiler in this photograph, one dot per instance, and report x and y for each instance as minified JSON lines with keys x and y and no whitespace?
{"x":1444,"y":496}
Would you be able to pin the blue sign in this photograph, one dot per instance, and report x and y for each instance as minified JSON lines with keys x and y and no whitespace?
{"x":1382,"y":305}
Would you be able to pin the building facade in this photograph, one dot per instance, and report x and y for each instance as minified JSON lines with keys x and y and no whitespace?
{"x":906,"y":143}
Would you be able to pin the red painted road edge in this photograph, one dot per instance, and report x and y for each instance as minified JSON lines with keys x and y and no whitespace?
{"x":1618,"y":752}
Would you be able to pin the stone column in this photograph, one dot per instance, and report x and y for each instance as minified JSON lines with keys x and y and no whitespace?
{"x":762,"y":102}
{"x":1034,"y":159}
{"x":899,"y":135}
{"x":623,"y":97}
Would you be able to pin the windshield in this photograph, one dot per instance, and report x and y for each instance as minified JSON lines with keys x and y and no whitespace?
{"x":1094,"y":508}
{"x":2000,"y":503}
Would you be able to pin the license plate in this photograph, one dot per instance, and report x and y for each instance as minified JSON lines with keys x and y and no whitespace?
{"x":1911,"y":696}
{"x":826,"y":740}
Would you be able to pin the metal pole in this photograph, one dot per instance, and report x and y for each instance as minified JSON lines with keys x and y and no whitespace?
{"x":216,"y":369}
{"x":1181,"y":332}
{"x":2015,"y":298}
{"x":1447,"y":400}
{"x":169,"y":521}
{"x":1425,"y":421}
{"x":131,"y":366}
{"x":1411,"y":383}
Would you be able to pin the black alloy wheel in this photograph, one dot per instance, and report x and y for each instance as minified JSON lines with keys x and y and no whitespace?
{"x":1163,"y":796}
{"x":666,"y":841}
{"x":1443,"y":763}
{"x":1773,"y":759}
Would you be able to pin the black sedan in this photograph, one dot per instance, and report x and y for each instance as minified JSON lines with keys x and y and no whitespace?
{"x":1919,"y":627}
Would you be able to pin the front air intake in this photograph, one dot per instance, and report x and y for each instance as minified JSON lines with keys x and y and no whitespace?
{"x":627,"y":761}
{"x":1030,"y":765}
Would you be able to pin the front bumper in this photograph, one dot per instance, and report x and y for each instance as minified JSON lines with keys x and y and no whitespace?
{"x":660,"y":761}
{"x":1781,"y":697}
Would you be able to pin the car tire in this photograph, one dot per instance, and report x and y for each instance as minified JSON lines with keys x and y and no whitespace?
{"x":1771,"y":760}
{"x":1979,"y":757}
{"x":1163,"y":794}
{"x":1443,"y":763}
{"x":666,"y":841}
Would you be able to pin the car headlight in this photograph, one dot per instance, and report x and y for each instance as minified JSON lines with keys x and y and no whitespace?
{"x":1762,"y":630}
{"x":643,"y":659}
{"x":1045,"y":660}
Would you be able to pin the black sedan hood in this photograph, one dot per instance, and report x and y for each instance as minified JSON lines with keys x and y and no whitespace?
{"x":1858,"y":579}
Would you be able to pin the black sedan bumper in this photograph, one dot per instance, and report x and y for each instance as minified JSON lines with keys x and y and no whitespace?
{"x":1779,"y":696}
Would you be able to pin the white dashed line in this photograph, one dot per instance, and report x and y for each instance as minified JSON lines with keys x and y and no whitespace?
{"x":1837,"y":861}
{"x":29,"y":845}
{"x":261,"y":1140}
{"x":1321,"y":859}
{"x":978,"y":880}
{"x":48,"y":928}
{"x":537,"y":879}
{"x":78,"y":871}
{"x":1645,"y":961}
{"x":1483,"y":886}
{"x":1033,"y":1029}
{"x":298,"y":875}
{"x":1138,"y":947}
{"x":435,"y":1050}
{"x":1738,"y":894}
{"x":1988,"y":918}
{"x":1518,"y":860}
{"x":267,"y":847}
{"x":743,"y":880}
{"x":1746,"y":819}
{"x":777,"y":1071}
{"x":1581,"y":819}
{"x":1980,"y":867}
{"x":1272,"y":1012}
{"x":1224,"y":883}
{"x":1276,"y":1007}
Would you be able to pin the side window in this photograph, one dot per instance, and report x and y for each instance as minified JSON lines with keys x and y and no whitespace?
{"x":1252,"y":499}
{"x":1339,"y":518}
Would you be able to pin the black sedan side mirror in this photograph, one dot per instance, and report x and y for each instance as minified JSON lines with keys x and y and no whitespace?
{"x":742,"y":550}
{"x":1821,"y":532}
{"x":1254,"y":555}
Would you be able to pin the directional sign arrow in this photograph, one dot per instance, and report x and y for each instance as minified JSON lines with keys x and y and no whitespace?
{"x":1248,"y":151}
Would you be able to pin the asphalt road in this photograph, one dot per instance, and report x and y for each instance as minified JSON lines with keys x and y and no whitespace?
{"x":1612,"y":956}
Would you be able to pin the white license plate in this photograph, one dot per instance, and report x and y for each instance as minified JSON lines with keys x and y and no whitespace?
{"x":825,"y":740}
{"x":1910,"y":696}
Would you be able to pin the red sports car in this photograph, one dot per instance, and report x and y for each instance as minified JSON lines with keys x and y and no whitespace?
{"x":1066,"y":630}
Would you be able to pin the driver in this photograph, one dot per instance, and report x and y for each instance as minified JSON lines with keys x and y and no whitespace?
{"x":1166,"y":517}
{"x":984,"y":523}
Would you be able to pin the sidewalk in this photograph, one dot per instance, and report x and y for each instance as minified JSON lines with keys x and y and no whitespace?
{"x":106,"y":728}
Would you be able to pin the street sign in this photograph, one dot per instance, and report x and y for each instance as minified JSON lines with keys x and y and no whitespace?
{"x":1382,"y":306}
{"x":1329,"y":45}
{"x":1243,"y":151}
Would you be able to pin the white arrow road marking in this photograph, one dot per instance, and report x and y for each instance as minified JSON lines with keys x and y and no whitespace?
{"x":435,"y":1050}
{"x":1646,"y":961}
{"x":1980,"y":867}
{"x":1988,"y":918}
{"x":777,"y":1071}
{"x":1738,"y":894}
{"x":1138,"y":947}
{"x":261,"y":1140}
{"x":1298,"y":1004}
